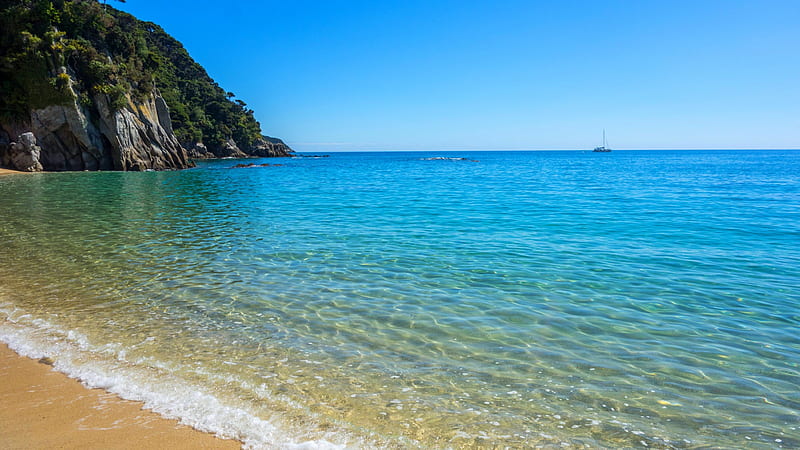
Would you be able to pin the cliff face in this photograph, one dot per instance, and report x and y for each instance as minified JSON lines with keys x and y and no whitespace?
{"x":270,"y":146}
{"x":70,"y":136}
{"x":267,"y":147}
{"x":84,"y":86}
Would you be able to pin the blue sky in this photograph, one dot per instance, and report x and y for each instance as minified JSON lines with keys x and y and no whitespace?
{"x":468,"y":75}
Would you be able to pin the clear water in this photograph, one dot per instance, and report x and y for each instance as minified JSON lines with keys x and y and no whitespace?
{"x":388,"y":299}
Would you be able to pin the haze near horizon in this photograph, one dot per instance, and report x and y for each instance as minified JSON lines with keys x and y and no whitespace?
{"x":513,"y":75}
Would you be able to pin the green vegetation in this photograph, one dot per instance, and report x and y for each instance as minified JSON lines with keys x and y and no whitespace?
{"x":52,"y":50}
{"x":200,"y":109}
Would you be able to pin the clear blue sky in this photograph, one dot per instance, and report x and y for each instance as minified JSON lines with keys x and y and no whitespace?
{"x":417,"y":75}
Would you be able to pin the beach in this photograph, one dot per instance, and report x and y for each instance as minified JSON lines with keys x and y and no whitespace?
{"x":43,"y":408}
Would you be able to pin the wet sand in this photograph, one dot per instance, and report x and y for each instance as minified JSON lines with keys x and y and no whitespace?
{"x":9,"y":171}
{"x":42,"y":408}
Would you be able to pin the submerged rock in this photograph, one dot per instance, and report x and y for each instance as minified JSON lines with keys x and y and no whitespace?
{"x":242,"y":166}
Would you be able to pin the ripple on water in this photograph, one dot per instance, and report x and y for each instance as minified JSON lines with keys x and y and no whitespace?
{"x":382,"y":299}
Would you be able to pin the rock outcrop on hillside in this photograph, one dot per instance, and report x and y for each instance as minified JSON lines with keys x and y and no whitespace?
{"x":137,"y":136}
{"x":265,"y":147}
{"x":270,"y":147}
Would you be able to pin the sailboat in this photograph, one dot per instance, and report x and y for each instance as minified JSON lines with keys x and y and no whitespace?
{"x":604,"y":148}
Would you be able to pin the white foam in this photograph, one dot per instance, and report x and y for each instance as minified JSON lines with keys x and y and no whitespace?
{"x":169,"y":396}
{"x":444,"y":158}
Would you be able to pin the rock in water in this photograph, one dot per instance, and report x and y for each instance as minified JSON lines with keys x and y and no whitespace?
{"x":47,"y":361}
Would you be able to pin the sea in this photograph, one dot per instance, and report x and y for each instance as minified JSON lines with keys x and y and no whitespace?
{"x":425,"y":299}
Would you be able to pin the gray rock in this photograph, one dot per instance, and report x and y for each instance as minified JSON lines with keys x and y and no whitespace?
{"x":198,"y":150}
{"x":24,"y":154}
{"x":139,"y":136}
{"x":136,"y":137}
{"x":229,"y":149}
{"x":69,"y":139}
{"x":269,"y":147}
{"x":163,"y":114}
{"x":73,"y":137}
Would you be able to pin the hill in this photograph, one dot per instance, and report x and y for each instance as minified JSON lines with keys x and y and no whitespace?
{"x":84,"y":86}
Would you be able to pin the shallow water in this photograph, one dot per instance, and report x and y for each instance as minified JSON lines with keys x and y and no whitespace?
{"x":420,"y":299}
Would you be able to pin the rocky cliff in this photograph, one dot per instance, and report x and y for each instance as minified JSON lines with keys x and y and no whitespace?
{"x":264,"y":146}
{"x":72,"y":136}
{"x":84,"y":86}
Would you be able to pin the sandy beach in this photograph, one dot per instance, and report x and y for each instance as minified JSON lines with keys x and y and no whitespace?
{"x":43,"y":408}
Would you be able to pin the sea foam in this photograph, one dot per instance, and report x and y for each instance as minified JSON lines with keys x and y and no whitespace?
{"x":75,"y":356}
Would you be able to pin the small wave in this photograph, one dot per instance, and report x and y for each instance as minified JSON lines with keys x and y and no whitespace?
{"x":72,"y":354}
{"x":446,"y":158}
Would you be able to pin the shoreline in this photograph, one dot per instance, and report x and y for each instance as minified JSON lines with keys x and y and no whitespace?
{"x":51,"y":410}
{"x":9,"y":171}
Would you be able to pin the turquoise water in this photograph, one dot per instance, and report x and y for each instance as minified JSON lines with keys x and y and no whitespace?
{"x":512,"y":299}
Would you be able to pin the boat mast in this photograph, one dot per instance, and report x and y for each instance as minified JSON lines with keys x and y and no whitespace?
{"x":604,"y":138}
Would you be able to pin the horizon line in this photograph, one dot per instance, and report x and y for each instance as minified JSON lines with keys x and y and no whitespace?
{"x":551,"y":150}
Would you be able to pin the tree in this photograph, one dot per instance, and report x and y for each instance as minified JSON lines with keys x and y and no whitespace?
{"x":106,"y":2}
